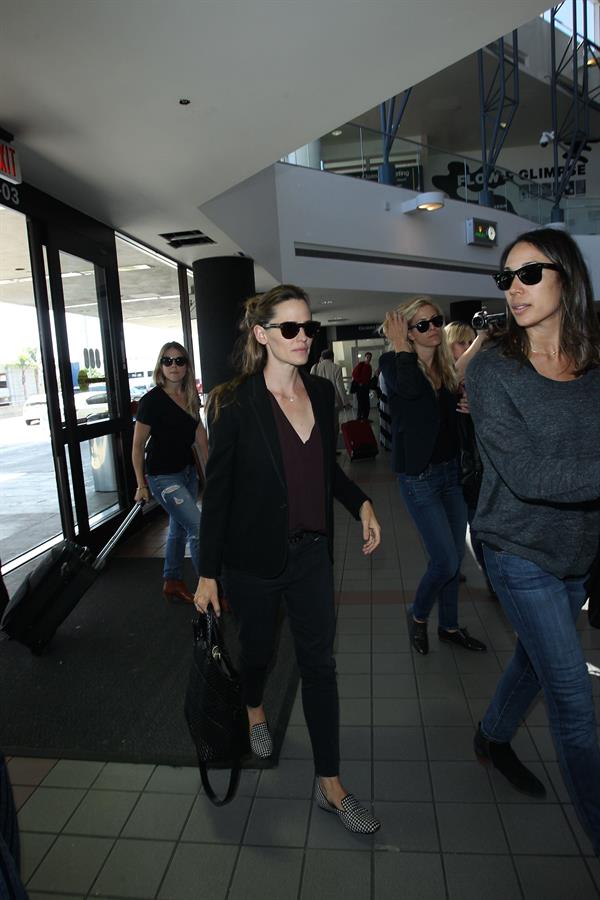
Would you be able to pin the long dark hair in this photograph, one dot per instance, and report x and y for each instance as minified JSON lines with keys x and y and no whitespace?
{"x":579,"y":329}
{"x":249,"y":356}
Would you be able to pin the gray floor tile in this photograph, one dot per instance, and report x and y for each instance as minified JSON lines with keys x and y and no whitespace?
{"x":537,"y":828}
{"x":407,"y":826}
{"x":353,"y":626}
{"x":353,"y":611}
{"x":399,"y":711}
{"x":440,"y":684}
{"x":284,"y":868}
{"x":34,"y":847}
{"x":585,"y":844}
{"x":41,"y":895}
{"x":353,"y":663}
{"x":388,"y":643}
{"x":356,"y":776}
{"x":400,"y":781}
{"x":29,"y":770}
{"x":174,"y":780}
{"x":553,"y":777}
{"x":354,"y":685}
{"x":445,"y":711}
{"x":277,"y":823}
{"x":450,"y":743}
{"x":101,"y":813}
{"x":48,"y":809}
{"x":353,"y":643}
{"x":465,"y":782}
{"x":329,"y":873}
{"x":409,"y":876}
{"x":198,"y":870}
{"x":355,"y":711}
{"x":296,"y":744}
{"x":470,"y":828}
{"x":325,"y":831}
{"x":134,"y":869}
{"x":75,"y":773}
{"x":214,"y":825}
{"x":543,"y":742}
{"x":392,"y":663}
{"x":291,"y":778}
{"x":555,"y":878}
{"x":160,"y":817}
{"x":395,"y":626}
{"x":398,"y":685}
{"x":473,"y":877}
{"x":71,"y":865}
{"x":22,"y":793}
{"x":124,"y":776}
{"x":219,"y":779}
{"x":480,"y":684}
{"x":355,"y":742}
{"x":398,"y":743}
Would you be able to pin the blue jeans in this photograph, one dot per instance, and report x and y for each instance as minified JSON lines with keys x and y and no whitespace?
{"x":177,"y":493}
{"x":437,"y":506}
{"x":543,"y":611}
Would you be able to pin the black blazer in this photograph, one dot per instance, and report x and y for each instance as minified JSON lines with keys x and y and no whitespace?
{"x":414,"y":409}
{"x":244,"y":524}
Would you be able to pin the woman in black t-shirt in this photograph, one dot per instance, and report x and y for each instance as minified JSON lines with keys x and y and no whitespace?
{"x":167,"y":425}
{"x":422,"y":393}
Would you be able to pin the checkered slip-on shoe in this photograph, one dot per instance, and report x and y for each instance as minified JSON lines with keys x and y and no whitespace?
{"x":261,"y":743}
{"x":352,"y":815}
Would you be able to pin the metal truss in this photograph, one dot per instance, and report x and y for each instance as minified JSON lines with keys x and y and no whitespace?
{"x":389,"y":128}
{"x":498,"y":102}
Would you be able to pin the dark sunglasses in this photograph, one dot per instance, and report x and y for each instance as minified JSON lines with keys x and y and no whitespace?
{"x":529,"y":274}
{"x":169,"y":360}
{"x":290,"y":330}
{"x":424,"y":324}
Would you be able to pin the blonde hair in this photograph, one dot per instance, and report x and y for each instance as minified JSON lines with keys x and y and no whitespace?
{"x":188,"y":385}
{"x":457,"y":332}
{"x":249,"y":356}
{"x":442,"y":362}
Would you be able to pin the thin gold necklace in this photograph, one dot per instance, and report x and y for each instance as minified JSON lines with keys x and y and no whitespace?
{"x":547,"y":352}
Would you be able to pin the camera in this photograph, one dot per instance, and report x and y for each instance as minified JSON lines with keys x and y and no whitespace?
{"x":483,"y":319}
{"x":546,"y":137}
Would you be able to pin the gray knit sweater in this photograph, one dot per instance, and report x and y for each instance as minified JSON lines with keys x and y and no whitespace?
{"x":540,"y":446}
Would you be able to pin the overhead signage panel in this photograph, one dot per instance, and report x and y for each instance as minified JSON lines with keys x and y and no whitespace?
{"x":10,"y":168}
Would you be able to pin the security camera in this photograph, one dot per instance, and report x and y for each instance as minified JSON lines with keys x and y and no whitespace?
{"x":546,"y":137}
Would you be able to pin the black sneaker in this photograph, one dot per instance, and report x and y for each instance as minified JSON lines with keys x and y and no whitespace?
{"x":503,"y":758}
{"x":418,"y":635}
{"x":461,"y":638}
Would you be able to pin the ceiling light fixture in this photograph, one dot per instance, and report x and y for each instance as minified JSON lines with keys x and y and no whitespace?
{"x":337,"y":132}
{"x":428,"y":202}
{"x":137,"y":268}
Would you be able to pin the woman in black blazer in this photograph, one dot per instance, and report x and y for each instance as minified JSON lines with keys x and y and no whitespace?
{"x":267,"y":524}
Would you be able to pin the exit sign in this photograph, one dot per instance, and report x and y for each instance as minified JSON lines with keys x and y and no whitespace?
{"x":10,"y":170}
{"x":481,"y":232}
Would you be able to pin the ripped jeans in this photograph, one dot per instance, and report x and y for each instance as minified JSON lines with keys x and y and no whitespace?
{"x":177,"y":494}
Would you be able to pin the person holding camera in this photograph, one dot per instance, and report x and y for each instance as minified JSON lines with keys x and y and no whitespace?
{"x":422,"y":388}
{"x":533,"y":395}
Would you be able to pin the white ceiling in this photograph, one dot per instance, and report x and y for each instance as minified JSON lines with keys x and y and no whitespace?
{"x":91,"y":90}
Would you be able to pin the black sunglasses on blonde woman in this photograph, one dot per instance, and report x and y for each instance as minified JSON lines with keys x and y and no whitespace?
{"x":169,"y":360}
{"x":424,"y":324}
{"x":529,"y":274}
{"x":290,"y":330}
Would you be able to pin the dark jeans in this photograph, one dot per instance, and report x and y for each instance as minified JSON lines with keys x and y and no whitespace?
{"x":363,"y":401}
{"x":436,"y":503}
{"x":543,"y":611}
{"x":306,"y":585}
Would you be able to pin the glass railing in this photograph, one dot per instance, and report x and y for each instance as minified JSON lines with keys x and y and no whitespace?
{"x":356,"y":151}
{"x":582,"y":216}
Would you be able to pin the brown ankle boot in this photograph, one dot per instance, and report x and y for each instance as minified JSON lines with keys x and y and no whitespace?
{"x":175,"y":591}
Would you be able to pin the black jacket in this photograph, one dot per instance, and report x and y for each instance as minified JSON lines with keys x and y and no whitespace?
{"x":244,"y":522}
{"x":414,"y":409}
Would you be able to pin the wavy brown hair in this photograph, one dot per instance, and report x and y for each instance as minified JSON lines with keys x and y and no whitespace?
{"x":579,"y":329}
{"x":249,"y":356}
{"x":442,"y":363}
{"x":188,"y":385}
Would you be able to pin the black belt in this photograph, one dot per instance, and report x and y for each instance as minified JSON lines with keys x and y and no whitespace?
{"x":296,"y":536}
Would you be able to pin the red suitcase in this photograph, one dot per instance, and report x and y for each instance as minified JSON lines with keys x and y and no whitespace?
{"x":359,"y":440}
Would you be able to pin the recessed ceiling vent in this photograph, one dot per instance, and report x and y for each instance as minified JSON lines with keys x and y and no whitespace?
{"x":186,"y":238}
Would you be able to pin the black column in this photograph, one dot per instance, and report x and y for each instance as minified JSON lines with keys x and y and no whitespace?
{"x":221,"y":285}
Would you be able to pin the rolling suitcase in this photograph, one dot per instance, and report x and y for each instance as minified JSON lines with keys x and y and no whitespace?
{"x":359,"y":440}
{"x":54,"y":588}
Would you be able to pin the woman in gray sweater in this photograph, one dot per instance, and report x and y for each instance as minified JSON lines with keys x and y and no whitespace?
{"x":535,"y":401}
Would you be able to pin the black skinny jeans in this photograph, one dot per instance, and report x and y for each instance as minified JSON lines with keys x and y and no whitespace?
{"x":306,"y":585}
{"x":363,"y":401}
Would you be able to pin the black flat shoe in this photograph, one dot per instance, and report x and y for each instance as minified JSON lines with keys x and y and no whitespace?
{"x":261,"y":742}
{"x":418,"y":635}
{"x":503,"y":758}
{"x":352,"y":815}
{"x":461,"y":638}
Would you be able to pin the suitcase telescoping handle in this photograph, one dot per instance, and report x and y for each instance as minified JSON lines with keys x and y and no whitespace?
{"x":107,"y":549}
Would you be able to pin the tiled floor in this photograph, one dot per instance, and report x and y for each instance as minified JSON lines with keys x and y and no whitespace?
{"x":450,"y":830}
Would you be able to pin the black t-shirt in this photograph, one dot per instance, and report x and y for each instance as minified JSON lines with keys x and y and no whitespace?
{"x":172,"y":433}
{"x":446,"y":445}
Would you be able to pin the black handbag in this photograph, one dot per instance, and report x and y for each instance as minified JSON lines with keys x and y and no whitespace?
{"x":216,"y":716}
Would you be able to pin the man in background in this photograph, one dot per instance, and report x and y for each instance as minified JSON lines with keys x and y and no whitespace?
{"x":326,"y":368}
{"x":362,"y":375}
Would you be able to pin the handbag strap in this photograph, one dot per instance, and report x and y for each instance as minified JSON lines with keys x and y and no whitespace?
{"x":234,"y":780}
